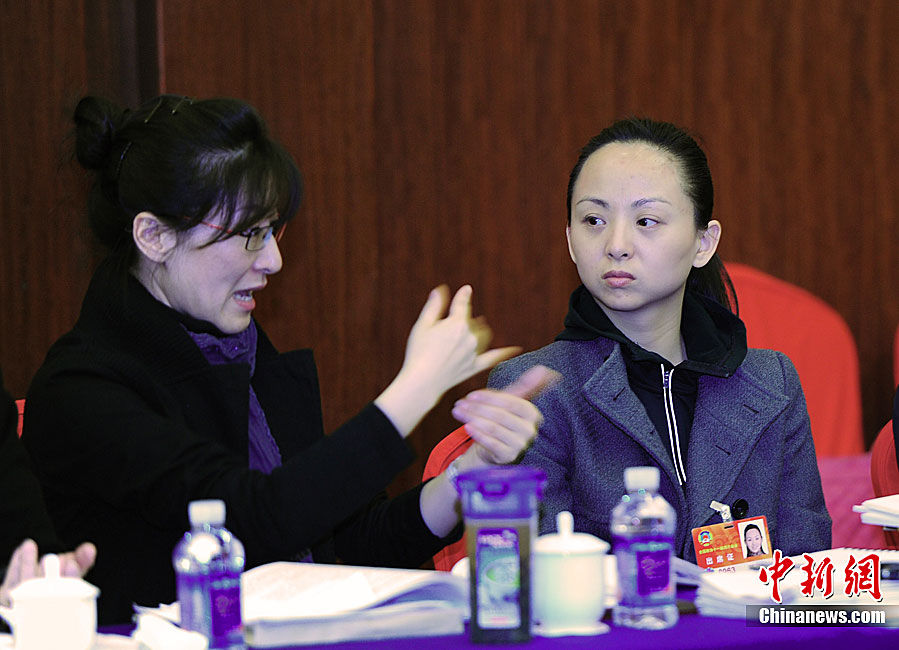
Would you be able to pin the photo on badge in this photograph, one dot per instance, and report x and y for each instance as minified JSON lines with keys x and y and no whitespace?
{"x":754,"y":538}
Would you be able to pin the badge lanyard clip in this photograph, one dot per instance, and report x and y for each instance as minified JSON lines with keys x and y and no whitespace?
{"x":723,"y":509}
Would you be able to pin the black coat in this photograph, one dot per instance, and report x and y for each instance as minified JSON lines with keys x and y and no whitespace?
{"x":127,"y":423}
{"x":22,"y":511}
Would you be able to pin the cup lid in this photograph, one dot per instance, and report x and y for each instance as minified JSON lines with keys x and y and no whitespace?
{"x":568,"y":541}
{"x":501,"y":479}
{"x":53,"y":585}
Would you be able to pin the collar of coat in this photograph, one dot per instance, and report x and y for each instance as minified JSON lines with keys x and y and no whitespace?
{"x":714,"y":337}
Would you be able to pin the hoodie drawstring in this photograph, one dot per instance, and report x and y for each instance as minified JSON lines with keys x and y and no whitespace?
{"x":673,"y":437}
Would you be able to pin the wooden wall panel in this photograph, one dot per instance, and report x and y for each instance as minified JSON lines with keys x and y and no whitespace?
{"x":436,"y":137}
{"x":44,"y":260}
{"x":52,"y":52}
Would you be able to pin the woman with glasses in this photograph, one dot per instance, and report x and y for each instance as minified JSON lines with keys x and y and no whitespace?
{"x":167,"y":390}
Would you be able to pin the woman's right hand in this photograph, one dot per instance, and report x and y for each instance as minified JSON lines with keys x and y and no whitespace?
{"x":441,"y":352}
{"x":445,"y":351}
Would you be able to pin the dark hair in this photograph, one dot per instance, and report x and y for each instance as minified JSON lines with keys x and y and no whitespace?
{"x":181,"y":159}
{"x":712,"y":280}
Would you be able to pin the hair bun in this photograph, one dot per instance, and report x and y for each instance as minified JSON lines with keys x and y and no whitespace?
{"x":96,"y":123}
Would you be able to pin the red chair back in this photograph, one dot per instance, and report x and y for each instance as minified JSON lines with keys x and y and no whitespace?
{"x":782,"y":316}
{"x":885,"y":472}
{"x":446,"y":451}
{"x":20,"y":406}
{"x":896,"y":357}
{"x":846,"y":482}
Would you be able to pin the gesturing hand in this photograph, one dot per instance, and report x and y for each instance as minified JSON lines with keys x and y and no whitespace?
{"x":503,"y":423}
{"x":441,"y":351}
{"x":445,"y":351}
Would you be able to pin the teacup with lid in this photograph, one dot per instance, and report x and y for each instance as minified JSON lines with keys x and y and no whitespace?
{"x":53,"y":612}
{"x":568,"y":581}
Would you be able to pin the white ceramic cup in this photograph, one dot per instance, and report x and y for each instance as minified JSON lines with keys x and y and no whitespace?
{"x":568,"y":584}
{"x":53,"y":611}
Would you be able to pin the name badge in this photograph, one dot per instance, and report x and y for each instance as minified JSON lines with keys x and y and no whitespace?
{"x":722,"y":546}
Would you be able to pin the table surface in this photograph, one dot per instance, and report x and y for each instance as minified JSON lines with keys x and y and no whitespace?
{"x":691,"y":632}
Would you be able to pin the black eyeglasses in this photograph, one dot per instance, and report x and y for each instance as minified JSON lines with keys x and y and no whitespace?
{"x":258,"y":236}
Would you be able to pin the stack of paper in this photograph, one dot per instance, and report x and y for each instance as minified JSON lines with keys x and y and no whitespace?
{"x":728,"y":594}
{"x":289,"y":603}
{"x":298,"y":603}
{"x":883,"y":511}
{"x":687,"y":573}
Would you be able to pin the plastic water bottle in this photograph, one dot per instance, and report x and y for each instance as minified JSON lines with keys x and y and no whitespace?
{"x":208,"y":562}
{"x":643,"y":540}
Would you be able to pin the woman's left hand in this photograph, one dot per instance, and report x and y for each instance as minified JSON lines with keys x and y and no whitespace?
{"x":503,"y":423}
{"x":25,"y":565}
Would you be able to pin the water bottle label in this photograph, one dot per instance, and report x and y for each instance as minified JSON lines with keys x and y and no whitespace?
{"x":644,"y":570}
{"x":498,"y":578}
{"x":653,"y":568}
{"x":210,"y":605}
{"x":224,"y":595}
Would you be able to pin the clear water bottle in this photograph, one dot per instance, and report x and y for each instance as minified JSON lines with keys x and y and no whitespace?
{"x":643,"y":540}
{"x":208,"y":562}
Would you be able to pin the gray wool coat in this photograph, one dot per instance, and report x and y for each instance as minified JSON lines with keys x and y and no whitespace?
{"x":750,"y":439}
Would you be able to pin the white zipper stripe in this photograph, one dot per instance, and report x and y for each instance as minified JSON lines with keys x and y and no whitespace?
{"x":671,"y":417}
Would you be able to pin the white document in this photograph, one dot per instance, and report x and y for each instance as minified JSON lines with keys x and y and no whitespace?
{"x":296,"y":589}
{"x":888,"y":504}
{"x":879,"y":519}
{"x":882,"y":511}
{"x":287,"y":603}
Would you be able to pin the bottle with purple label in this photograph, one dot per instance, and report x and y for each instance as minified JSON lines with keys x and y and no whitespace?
{"x":208,"y":562}
{"x":643,"y":540}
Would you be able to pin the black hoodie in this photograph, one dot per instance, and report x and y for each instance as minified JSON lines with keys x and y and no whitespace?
{"x":715,"y":342}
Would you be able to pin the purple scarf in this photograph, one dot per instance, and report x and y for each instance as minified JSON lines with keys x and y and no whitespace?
{"x":241,"y":348}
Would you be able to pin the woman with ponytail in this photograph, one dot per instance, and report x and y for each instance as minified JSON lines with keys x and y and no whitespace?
{"x":655,"y":366}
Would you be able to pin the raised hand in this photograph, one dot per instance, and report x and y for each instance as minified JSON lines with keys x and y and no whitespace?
{"x":441,"y":352}
{"x":503,"y":423}
{"x":446,"y":351}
